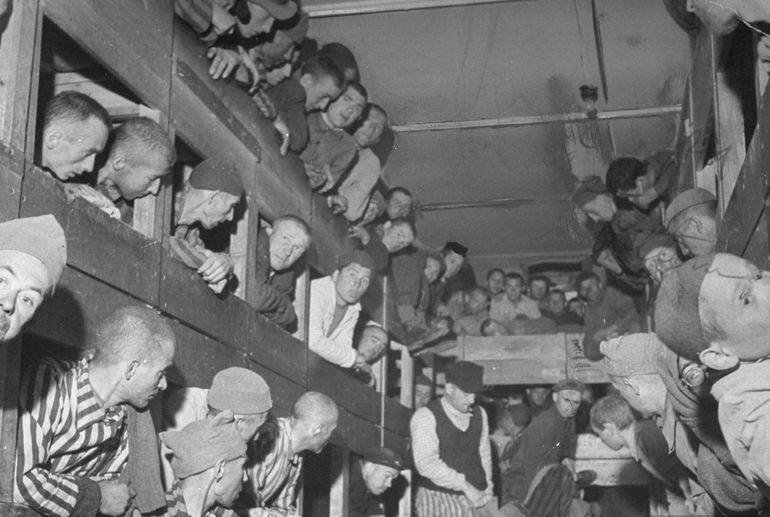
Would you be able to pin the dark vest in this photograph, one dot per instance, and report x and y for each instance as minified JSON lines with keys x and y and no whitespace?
{"x":458,"y":449}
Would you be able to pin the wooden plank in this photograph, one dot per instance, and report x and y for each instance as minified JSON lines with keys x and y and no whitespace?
{"x":748,"y":199}
{"x":96,"y":243}
{"x":335,"y":382}
{"x":11,"y":170}
{"x":10,"y":359}
{"x":133,"y":40}
{"x":578,"y":366}
{"x":613,"y":468}
{"x":355,"y":433}
{"x":340,"y":475}
{"x":275,"y":348}
{"x":16,"y":510}
{"x":396,"y":417}
{"x":547,"y":348}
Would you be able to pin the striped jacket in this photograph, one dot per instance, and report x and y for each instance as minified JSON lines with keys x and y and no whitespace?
{"x":66,"y":442}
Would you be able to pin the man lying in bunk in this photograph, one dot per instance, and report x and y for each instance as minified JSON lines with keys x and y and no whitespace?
{"x":279,"y":247}
{"x":477,"y":311}
{"x":275,"y":459}
{"x":334,"y":310}
{"x":372,"y":345}
{"x":208,"y":200}
{"x":75,"y":130}
{"x":691,"y":219}
{"x":242,"y":392}
{"x":73,"y":417}
{"x":515,"y":304}
{"x":318,"y":83}
{"x":382,"y":240}
{"x":452,"y":453}
{"x":370,"y":478}
{"x":608,"y":313}
{"x":207,"y":459}
{"x":330,"y":151}
{"x":357,"y":186}
{"x":140,"y":155}
{"x":33,"y":253}
{"x":715,"y":310}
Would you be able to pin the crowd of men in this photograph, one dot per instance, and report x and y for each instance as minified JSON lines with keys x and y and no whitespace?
{"x":689,"y":400}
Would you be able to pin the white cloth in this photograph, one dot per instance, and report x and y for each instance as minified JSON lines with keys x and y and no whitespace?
{"x":336,"y":346}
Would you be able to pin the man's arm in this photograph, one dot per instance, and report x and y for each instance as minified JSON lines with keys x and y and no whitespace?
{"x":274,"y":305}
{"x":41,"y":399}
{"x":425,"y":449}
{"x":629,"y":317}
{"x":338,"y":350}
{"x":359,"y":184}
{"x":485,"y":452}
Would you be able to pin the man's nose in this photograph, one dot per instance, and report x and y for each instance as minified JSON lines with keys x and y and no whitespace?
{"x":88,"y":165}
{"x":163,"y":384}
{"x":155,"y":187}
{"x":8,"y":301}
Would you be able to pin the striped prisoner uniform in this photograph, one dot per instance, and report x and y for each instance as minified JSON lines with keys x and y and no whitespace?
{"x":66,"y":442}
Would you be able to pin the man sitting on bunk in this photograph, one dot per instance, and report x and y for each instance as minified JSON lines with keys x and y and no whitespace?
{"x":279,"y":247}
{"x":140,"y":155}
{"x":208,"y":200}
{"x":515,"y":304}
{"x":477,"y":311}
{"x":33,"y":253}
{"x":73,"y":417}
{"x":330,"y":151}
{"x":382,"y":240}
{"x":275,"y":459}
{"x":334,"y":310}
{"x":207,"y":463}
{"x":75,"y":130}
{"x":496,"y":283}
{"x":372,"y":345}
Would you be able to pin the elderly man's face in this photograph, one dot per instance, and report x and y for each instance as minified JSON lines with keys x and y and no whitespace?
{"x":397,"y":237}
{"x":660,"y":260}
{"x":148,"y":376}
{"x":228,"y":486}
{"x":372,"y":344}
{"x":422,"y":395}
{"x":567,"y":402}
{"x":220,"y":208}
{"x":259,"y":22}
{"x":513,"y":289}
{"x":352,"y":282}
{"x":378,"y":478}
{"x":70,"y":148}
{"x":538,"y":289}
{"x":135,"y":180}
{"x":288,"y":241}
{"x":371,"y":130}
{"x":736,"y":295}
{"x":346,"y":109}
{"x":601,"y":208}
{"x":452,"y":262}
{"x":399,"y":205}
{"x":24,"y":280}
{"x":459,"y":399}
{"x":495,"y":283}
{"x":590,"y":289}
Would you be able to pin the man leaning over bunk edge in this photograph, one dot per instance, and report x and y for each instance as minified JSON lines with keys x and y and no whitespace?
{"x":33,"y":253}
{"x":450,"y":440}
{"x":73,"y":425}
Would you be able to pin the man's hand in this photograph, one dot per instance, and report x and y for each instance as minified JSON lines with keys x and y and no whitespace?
{"x":317,"y":176}
{"x":606,"y":333}
{"x":222,"y":22}
{"x":360,"y":233}
{"x":223,"y":62}
{"x":570,"y":464}
{"x":217,"y":267}
{"x":265,"y":105}
{"x":116,"y":498}
{"x":478,"y":498}
{"x":283,"y":129}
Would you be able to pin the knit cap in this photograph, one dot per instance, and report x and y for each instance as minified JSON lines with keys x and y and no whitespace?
{"x":240,"y":390}
{"x":384,"y":456}
{"x":216,"y":175}
{"x":42,"y":237}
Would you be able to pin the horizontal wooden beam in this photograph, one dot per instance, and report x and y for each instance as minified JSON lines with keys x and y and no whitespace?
{"x":532,"y":120}
{"x":348,"y":8}
{"x":505,"y":202}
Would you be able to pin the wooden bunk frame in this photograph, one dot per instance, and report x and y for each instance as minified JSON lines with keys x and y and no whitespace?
{"x":111,"y":264}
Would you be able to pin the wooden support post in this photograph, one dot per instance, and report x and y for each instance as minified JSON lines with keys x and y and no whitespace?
{"x":10,"y":359}
{"x":340,"y":472}
{"x":383,"y":388}
{"x":407,"y":375}
{"x":239,"y":246}
{"x":302,"y":304}
{"x":405,"y":503}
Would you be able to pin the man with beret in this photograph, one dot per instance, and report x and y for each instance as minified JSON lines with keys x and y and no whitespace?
{"x":549,"y":439}
{"x":643,"y":183}
{"x":75,"y":131}
{"x":279,"y":247}
{"x":275,"y":459}
{"x":370,"y":478}
{"x":691,"y":219}
{"x":74,"y":428}
{"x":33,"y":253}
{"x":334,"y":310}
{"x":450,"y":442}
{"x":207,"y":461}
{"x":242,"y":392}
{"x":208,"y":200}
{"x":714,"y":309}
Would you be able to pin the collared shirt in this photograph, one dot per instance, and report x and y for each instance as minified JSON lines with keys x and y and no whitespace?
{"x":425,"y":446}
{"x":505,"y":311}
{"x":327,"y":146}
{"x":335,"y":346}
{"x":64,"y":434}
{"x":175,"y":503}
{"x":359,"y":184}
{"x":744,"y":417}
{"x":274,"y":476}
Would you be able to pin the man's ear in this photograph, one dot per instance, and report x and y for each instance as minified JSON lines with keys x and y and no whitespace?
{"x":53,"y":137}
{"x":219,"y":470}
{"x":717,"y":358}
{"x":387,"y":224}
{"x":131,"y":369}
{"x":269,"y":230}
{"x":554,"y":396}
{"x":118,"y":162}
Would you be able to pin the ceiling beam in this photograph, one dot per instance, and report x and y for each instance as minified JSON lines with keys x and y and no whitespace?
{"x":503,"y":202}
{"x":532,"y":120}
{"x":348,"y":8}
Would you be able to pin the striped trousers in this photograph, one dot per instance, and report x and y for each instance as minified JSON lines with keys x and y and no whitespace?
{"x":432,"y":503}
